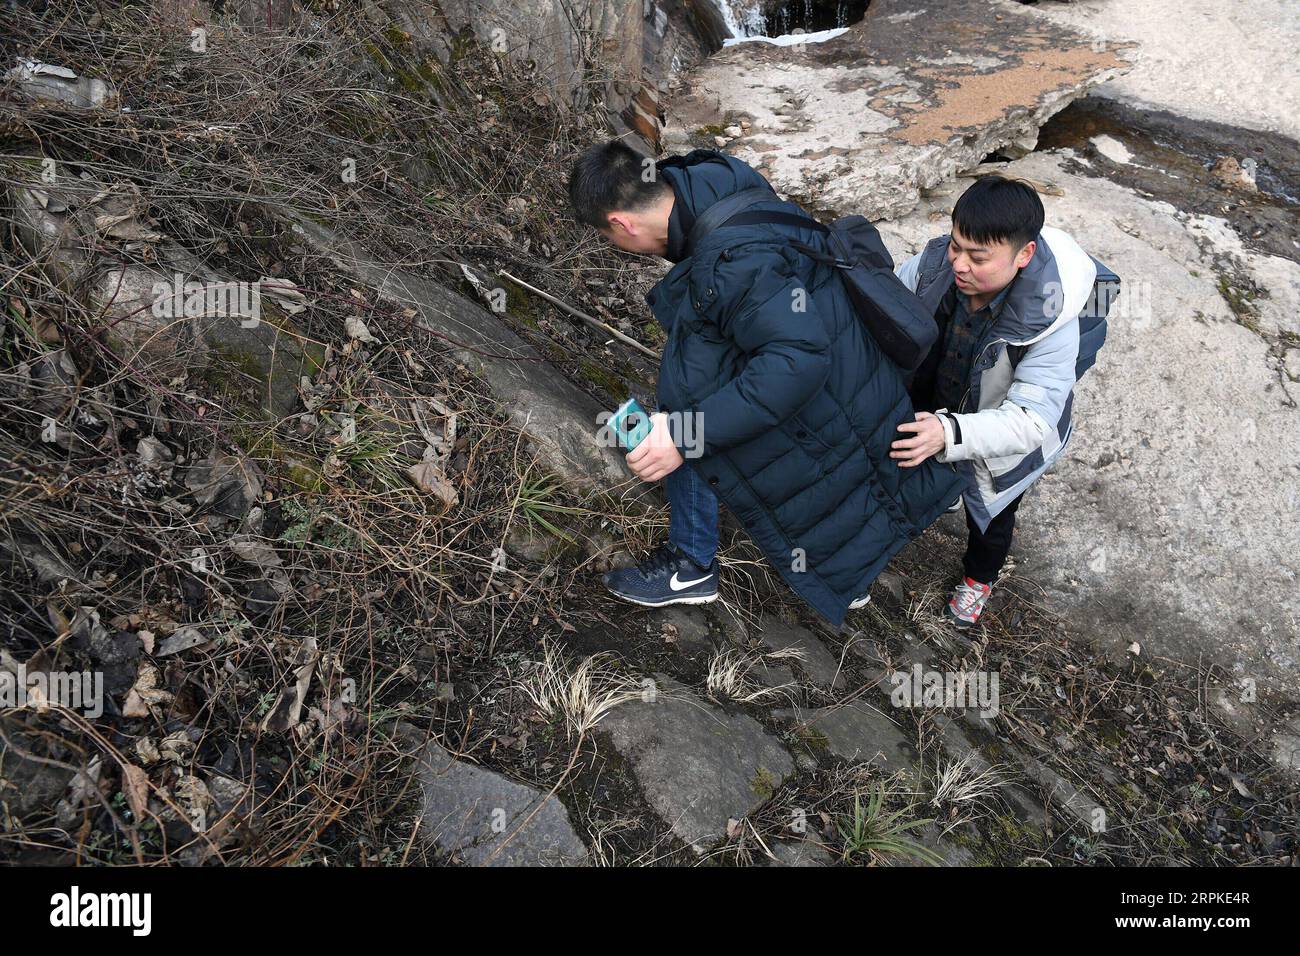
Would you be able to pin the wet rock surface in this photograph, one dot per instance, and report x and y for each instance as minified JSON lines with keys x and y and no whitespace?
{"x":1174,"y":159}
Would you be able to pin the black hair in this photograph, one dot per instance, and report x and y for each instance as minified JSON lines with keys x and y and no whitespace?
{"x":996,"y":209}
{"x":612,"y":176}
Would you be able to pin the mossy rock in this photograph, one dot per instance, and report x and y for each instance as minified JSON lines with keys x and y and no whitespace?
{"x":763,"y":784}
{"x":272,"y":356}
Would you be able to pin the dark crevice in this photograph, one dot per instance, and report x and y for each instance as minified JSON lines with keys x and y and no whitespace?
{"x":1194,"y":165}
{"x":813,"y":15}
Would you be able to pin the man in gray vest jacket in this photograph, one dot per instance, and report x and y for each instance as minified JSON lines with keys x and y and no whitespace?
{"x":993,"y":397}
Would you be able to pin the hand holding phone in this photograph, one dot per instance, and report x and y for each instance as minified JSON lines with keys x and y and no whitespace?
{"x":630,"y":424}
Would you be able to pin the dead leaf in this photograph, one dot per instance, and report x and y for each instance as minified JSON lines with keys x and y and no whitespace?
{"x":428,"y":475}
{"x":258,"y":552}
{"x":358,"y":329}
{"x":145,"y":693}
{"x":441,"y":439}
{"x":286,"y":712}
{"x":153,"y":453}
{"x":284,"y":292}
{"x":182,"y":639}
{"x":147,"y":750}
{"x":1239,"y":784}
{"x":135,"y":786}
{"x":83,"y":790}
{"x":176,"y":747}
{"x":44,"y":69}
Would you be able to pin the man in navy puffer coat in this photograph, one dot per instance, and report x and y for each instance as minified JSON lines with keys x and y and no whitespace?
{"x":772,"y":397}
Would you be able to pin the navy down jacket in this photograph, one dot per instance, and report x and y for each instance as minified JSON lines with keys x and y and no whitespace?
{"x":796,"y":405}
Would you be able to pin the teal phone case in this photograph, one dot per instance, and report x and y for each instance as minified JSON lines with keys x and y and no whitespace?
{"x":630,"y":423}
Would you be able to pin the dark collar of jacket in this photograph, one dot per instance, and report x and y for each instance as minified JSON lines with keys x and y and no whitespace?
{"x":680,"y":222}
{"x":698,"y":180}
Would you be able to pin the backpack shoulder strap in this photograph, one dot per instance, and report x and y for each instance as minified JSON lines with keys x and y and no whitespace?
{"x":723,"y":211}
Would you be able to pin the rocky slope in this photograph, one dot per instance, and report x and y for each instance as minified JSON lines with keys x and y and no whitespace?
{"x":338,"y":569}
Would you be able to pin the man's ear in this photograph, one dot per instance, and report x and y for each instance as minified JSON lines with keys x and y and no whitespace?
{"x":621,"y":221}
{"x":1025,"y":254}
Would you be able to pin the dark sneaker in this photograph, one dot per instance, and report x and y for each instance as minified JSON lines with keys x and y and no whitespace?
{"x":967,"y":602}
{"x":666,"y":576}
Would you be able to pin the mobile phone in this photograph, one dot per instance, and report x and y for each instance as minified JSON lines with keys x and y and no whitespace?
{"x":630,"y":424}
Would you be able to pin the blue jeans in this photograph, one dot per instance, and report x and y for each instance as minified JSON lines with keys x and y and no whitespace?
{"x":693,"y":521}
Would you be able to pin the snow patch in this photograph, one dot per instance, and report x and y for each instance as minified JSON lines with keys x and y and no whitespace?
{"x":1112,"y":149}
{"x":790,"y":39}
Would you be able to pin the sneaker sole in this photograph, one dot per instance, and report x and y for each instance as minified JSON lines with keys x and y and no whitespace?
{"x":696,"y":599}
{"x":957,"y":622}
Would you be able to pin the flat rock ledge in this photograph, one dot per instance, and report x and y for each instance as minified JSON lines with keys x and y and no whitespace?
{"x":484,"y":819}
{"x":697,"y":765}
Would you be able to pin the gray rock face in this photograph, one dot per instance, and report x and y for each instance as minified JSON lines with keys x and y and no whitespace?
{"x":1286,"y":745}
{"x":864,"y":122}
{"x":698,"y":765}
{"x":487,"y":820}
{"x":815,"y":659}
{"x":802,"y":853}
{"x":855,"y":731}
{"x":641,"y":43}
{"x":770,"y":675}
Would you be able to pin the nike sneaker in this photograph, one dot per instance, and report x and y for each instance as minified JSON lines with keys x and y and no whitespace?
{"x":666,"y":576}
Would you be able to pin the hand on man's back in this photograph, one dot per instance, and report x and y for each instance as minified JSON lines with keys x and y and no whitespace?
{"x":917,"y":440}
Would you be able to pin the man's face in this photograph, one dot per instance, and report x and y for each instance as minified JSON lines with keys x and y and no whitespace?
{"x":984,"y":268}
{"x":645,"y":233}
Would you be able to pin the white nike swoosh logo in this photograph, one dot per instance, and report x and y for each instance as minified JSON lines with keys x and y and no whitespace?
{"x":677,"y":585}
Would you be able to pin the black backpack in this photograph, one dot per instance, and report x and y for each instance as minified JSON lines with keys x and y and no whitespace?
{"x":1092,"y":318}
{"x":896,"y":319}
{"x":1092,"y":321}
